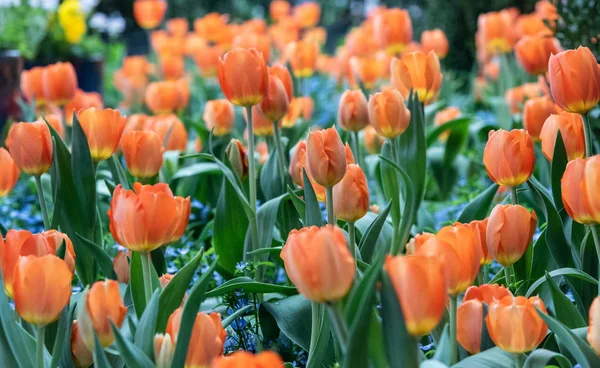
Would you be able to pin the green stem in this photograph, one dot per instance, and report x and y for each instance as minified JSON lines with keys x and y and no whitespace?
{"x":40,"y":190}
{"x":453,"y":346}
{"x":395,"y":247}
{"x":594,"y":231}
{"x":507,"y":276}
{"x":280,"y":154}
{"x":357,"y":151}
{"x":330,"y":213}
{"x":587,"y":132}
{"x":339,"y":325}
{"x":480,"y":276}
{"x":314,"y":326}
{"x":39,"y":346}
{"x":146,"y":274}
{"x":519,"y":360}
{"x":514,"y":196}
{"x":352,"y":236}
{"x":395,"y":242}
{"x":252,"y":182}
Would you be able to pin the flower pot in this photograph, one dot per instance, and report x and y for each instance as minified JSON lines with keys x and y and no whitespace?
{"x":90,"y":71}
{"x":11,"y":66}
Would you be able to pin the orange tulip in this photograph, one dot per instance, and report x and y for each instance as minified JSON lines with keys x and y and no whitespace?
{"x":392,"y":30}
{"x":184,"y":94}
{"x":243,"y":76}
{"x":283,"y":74}
{"x":41,"y":287}
{"x":59,"y":83}
{"x":325,"y":157}
{"x":367,"y":69}
{"x":32,"y":85}
{"x":574,"y":197}
{"x":30,"y":145}
{"x":293,"y":114}
{"x":207,"y":59}
{"x":535,"y":113}
{"x":244,"y":359}
{"x":82,"y":100}
{"x":10,"y":172}
{"x":514,"y":324}
{"x":509,"y":157}
{"x":388,"y":113}
{"x":171,"y":125}
{"x":260,"y":42}
{"x":575,"y":80}
{"x":491,"y":70}
{"x":509,"y":231}
{"x":459,"y":251}
{"x":547,"y":11}
{"x":517,"y":96}
{"x":48,"y":242}
{"x":359,"y":42}
{"x":219,"y":116}
{"x":444,"y":116}
{"x":172,"y":66}
{"x":570,"y":126}
{"x":480,"y":229}
{"x":254,"y":25}
{"x":284,"y":32}
{"x":164,"y":97}
{"x":302,"y":56}
{"x":147,"y":217}
{"x":349,"y":155}
{"x":470,"y":314}
{"x":307,"y":14}
{"x":279,"y":9}
{"x":495,"y":30}
{"x":593,"y":332}
{"x":149,"y":13}
{"x":194,"y":44}
{"x":372,"y":140}
{"x":351,"y":195}
{"x":100,"y":305}
{"x":418,"y":275}
{"x":353,"y":111}
{"x":417,"y":71}
{"x":212,"y":27}
{"x":276,"y":102}
{"x":206,"y":342}
{"x":436,"y":41}
{"x":237,"y":158}
{"x":81,"y":354}
{"x":10,"y":249}
{"x":318,"y":262}
{"x":589,"y":186}
{"x":306,"y":107}
{"x":178,"y":27}
{"x":143,"y":152}
{"x":296,"y":165}
{"x":103,"y":130}
{"x":531,"y":25}
{"x":262,"y":150}
{"x":263,"y":127}
{"x":417,"y":242}
{"x":533,"y":53}
{"x":316,"y":35}
{"x":121,"y":266}
{"x":164,"y":349}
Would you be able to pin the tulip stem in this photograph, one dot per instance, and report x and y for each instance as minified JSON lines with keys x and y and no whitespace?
{"x":352,"y":245}
{"x":330,"y":213}
{"x":251,"y":183}
{"x":40,"y":190}
{"x":519,"y":360}
{"x":594,"y":231}
{"x":453,"y":346}
{"x":39,"y":346}
{"x":339,"y":325}
{"x":357,"y":149}
{"x":280,"y":153}
{"x":587,"y":132}
{"x":514,"y":196}
{"x":507,"y":276}
{"x":146,"y":274}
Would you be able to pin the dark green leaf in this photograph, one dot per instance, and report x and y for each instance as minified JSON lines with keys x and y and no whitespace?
{"x":84,"y":178}
{"x":100,"y":360}
{"x":369,"y":238}
{"x":492,"y":358}
{"x":479,"y":207}
{"x":543,"y":357}
{"x":559,"y":164}
{"x":561,"y":272}
{"x":229,"y":228}
{"x":132,"y":355}
{"x":313,"y":216}
{"x":297,"y":201}
{"x":118,"y":172}
{"x":146,"y":327}
{"x":293,"y":317}
{"x":456,"y":124}
{"x":64,"y":326}
{"x":564,"y":309}
{"x":235,"y":315}
{"x":103,"y":260}
{"x":197,"y":169}
{"x":136,"y":282}
{"x":249,"y":285}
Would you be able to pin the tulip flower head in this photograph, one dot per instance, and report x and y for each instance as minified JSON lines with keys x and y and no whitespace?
{"x":243,"y":76}
{"x":419,"y":72}
{"x":393,"y":30}
{"x":325,"y":157}
{"x":219,"y":116}
{"x":82,"y":100}
{"x":279,"y":9}
{"x":143,"y":153}
{"x":30,"y":145}
{"x":593,"y":330}
{"x":244,"y":359}
{"x":81,"y":354}
{"x":59,"y":83}
{"x":276,"y":102}
{"x":589,"y":186}
{"x":509,"y":157}
{"x":509,"y":231}
{"x":32,"y":85}
{"x":236,"y":153}
{"x":436,"y":41}
{"x":307,"y":14}
{"x":535,"y":113}
{"x":169,"y":126}
{"x":533,"y":52}
{"x":495,"y":30}
{"x":149,"y":13}
{"x":388,"y":114}
{"x":121,"y":266}
{"x":353,"y":111}
{"x":10,"y":172}
{"x":302,"y":56}
{"x":351,"y":195}
{"x":103,"y":130}
{"x":571,"y":128}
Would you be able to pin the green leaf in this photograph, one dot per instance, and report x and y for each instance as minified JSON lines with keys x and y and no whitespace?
{"x":197,"y":169}
{"x":322,"y":345}
{"x":564,"y":309}
{"x":297,"y":201}
{"x":118,"y":173}
{"x":370,"y":236}
{"x":455,"y":143}
{"x":559,"y":164}
{"x":270,"y":180}
{"x":389,"y":182}
{"x":249,"y":285}
{"x":132,"y":356}
{"x":232,"y":317}
{"x":492,"y":358}
{"x":64,"y":326}
{"x":188,"y":316}
{"x":561,"y":272}
{"x":84,"y":179}
{"x":229,"y":228}
{"x":266,"y":218}
{"x":100,"y":360}
{"x":273,"y":250}
{"x":313,"y":216}
{"x":442,"y":350}
{"x":103,"y":260}
{"x":293,"y":317}
{"x":543,"y":357}
{"x":136,"y":283}
{"x":456,"y":124}
{"x":479,"y":207}
{"x":146,"y":327}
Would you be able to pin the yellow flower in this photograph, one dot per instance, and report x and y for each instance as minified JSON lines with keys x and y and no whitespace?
{"x":72,"y":20}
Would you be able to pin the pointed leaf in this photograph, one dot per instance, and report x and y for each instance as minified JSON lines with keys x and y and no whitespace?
{"x":313,"y":216}
{"x":146,"y":327}
{"x":479,"y":207}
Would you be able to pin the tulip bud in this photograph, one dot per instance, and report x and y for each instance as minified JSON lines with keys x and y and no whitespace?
{"x":535,"y":113}
{"x":593,"y":330}
{"x":353,"y":111}
{"x":219,"y":116}
{"x":509,"y":157}
{"x":121,"y":266}
{"x":41,"y":287}
{"x":436,"y":41}
{"x":307,"y":14}
{"x":515,"y":325}
{"x":421,"y":314}
{"x":282,"y":72}
{"x":59,"y":83}
{"x":164,"y":349}
{"x":237,"y":158}
{"x":241,"y":358}
{"x":99,"y":306}
{"x":243,"y":76}
{"x":149,"y":13}
{"x":533,"y":52}
{"x":32,"y":85}
{"x":326,"y":159}
{"x":161,"y":217}
{"x":388,"y":114}
{"x":302,"y":56}
{"x":143,"y":153}
{"x":393,"y":30}
{"x":351,"y":195}
{"x":318,"y":262}
{"x":509,"y":231}
{"x":169,"y":126}
{"x":571,"y":130}
{"x":275,"y":104}
{"x":32,"y":159}
{"x":81,"y":354}
{"x":575,"y":80}
{"x":103,"y":130}
{"x":419,"y":72}
{"x":10,"y":172}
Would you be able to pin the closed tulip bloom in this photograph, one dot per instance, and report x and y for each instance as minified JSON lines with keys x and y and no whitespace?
{"x":260,"y":42}
{"x":325,"y":157}
{"x":30,"y":145}
{"x":10,"y":249}
{"x":470,"y":314}
{"x":293,"y":114}
{"x":295,"y":169}
{"x":101,"y":305}
{"x":571,"y":128}
{"x":514,"y":324}
{"x":417,"y":71}
{"x":59,"y":83}
{"x":436,"y":41}
{"x":307,"y":14}
{"x":517,"y":96}
{"x":418,"y":275}
{"x":318,"y":262}
{"x":444,"y":116}
{"x":48,"y":242}
{"x":219,"y":116}
{"x":263,"y":127}
{"x":172,"y":67}
{"x":302,"y":56}
{"x":367,"y":69}
{"x":143,"y":153}
{"x":173,"y":127}
{"x":590,"y":186}
{"x":147,"y":217}
{"x":164,"y":349}
{"x":282,"y":72}
{"x":480,"y":229}
{"x":276,"y":102}
{"x":307,"y":106}
{"x":353,"y":111}
{"x":388,"y":114}
{"x":574,"y":197}
{"x":575,"y":80}
{"x":243,"y":76}
{"x":42,"y":288}
{"x":121,"y":266}
{"x":206,"y":342}
{"x":178,"y":27}
{"x":237,"y":158}
{"x":10,"y":172}
{"x":82,"y":100}
{"x":509,"y":231}
{"x":207,"y":59}
{"x":103,"y":130}
{"x":210,"y":26}
{"x":593,"y":331}
{"x":164,"y":97}
{"x":495,"y":30}
{"x":351,"y":195}
{"x":32,"y":85}
{"x":372,"y":140}
{"x":535,"y":113}
{"x":149,"y":13}
{"x":392,"y":29}
{"x":531,"y":25}
{"x":81,"y":354}
{"x":533,"y":53}
{"x":279,"y":9}
{"x":509,"y":157}
{"x":417,"y":242}
{"x":244,"y":359}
